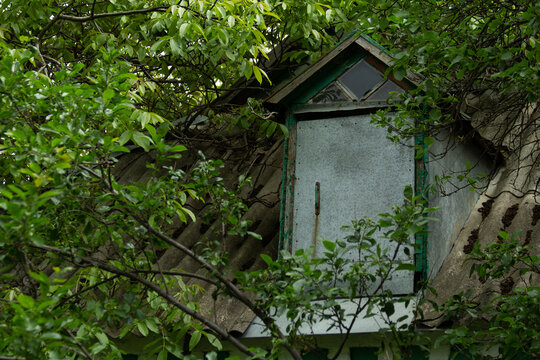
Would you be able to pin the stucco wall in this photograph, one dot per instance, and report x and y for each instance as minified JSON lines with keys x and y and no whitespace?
{"x":453,"y":197}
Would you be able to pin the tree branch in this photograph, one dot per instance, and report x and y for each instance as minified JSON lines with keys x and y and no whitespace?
{"x":177,"y":273}
{"x":223,"y":334}
{"x":235,"y":292}
{"x":113,"y":14}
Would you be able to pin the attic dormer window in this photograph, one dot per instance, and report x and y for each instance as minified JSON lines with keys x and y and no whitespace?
{"x":361,"y":82}
{"x":361,"y":78}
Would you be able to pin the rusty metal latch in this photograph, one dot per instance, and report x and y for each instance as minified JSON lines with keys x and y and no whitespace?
{"x":317,"y":198}
{"x":317,"y":212}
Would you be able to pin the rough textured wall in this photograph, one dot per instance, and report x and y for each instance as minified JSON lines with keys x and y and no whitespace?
{"x":510,"y":203}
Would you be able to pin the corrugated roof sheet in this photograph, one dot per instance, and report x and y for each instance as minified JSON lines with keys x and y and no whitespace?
{"x":258,"y":158}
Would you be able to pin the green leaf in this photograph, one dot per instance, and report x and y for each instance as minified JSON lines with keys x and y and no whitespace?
{"x":200,"y":30}
{"x":176,"y":49}
{"x":42,"y":278}
{"x":158,"y":44}
{"x":181,"y":215}
{"x":254,"y":235}
{"x":108,"y":94}
{"x":178,"y":148}
{"x":267,"y":259}
{"x":257,"y":73}
{"x":25,"y":301}
{"x":194,"y":340}
{"x":162,"y":355}
{"x":271,"y":129}
{"x":8,"y":194}
{"x":152,"y":131}
{"x":248,"y":71}
{"x":388,"y":309}
{"x":408,"y":192}
{"x":507,"y":55}
{"x":124,"y":138}
{"x":51,"y":336}
{"x":400,"y":73}
{"x":284,"y":130}
{"x":329,"y":245}
{"x":214,"y":341}
{"x":190,"y":214}
{"x":142,"y":328}
{"x":183,"y":29}
{"x":103,"y":339}
{"x":435,"y":114}
{"x":119,"y":149}
{"x":141,"y":140}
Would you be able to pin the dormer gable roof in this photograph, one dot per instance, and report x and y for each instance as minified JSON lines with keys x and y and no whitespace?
{"x":332,"y":65}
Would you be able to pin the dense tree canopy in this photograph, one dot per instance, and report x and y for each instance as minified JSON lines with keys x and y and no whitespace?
{"x":82,"y":81}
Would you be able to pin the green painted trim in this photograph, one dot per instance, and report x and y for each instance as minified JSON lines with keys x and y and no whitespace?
{"x":364,"y":353}
{"x":352,"y":33}
{"x":286,"y":194}
{"x":282,"y":200}
{"x":420,"y":184}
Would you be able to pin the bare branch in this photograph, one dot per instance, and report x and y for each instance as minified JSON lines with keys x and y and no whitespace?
{"x":113,"y":14}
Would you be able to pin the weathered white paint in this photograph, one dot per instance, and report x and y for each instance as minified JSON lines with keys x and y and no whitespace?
{"x":322,"y":327}
{"x":361,"y":173}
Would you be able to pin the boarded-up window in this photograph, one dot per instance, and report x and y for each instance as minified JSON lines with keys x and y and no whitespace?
{"x":360,"y":172}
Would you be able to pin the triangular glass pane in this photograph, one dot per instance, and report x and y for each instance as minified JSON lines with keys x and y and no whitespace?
{"x":383,"y":93}
{"x":331,"y":93}
{"x":361,"y":78}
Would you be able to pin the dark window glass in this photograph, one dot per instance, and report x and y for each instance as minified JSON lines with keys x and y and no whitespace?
{"x":383,"y":93}
{"x":361,"y":78}
{"x":318,"y":354}
{"x":364,"y":353}
{"x":418,"y":353}
{"x":331,"y":93}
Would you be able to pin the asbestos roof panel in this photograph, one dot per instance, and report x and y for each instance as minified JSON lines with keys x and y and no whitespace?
{"x":259,"y":158}
{"x":511,"y":203}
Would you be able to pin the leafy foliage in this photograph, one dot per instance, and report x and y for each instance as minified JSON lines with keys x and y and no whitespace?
{"x":348,"y":283}
{"x":509,"y":320}
{"x":82,"y":81}
{"x":459,"y":49}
